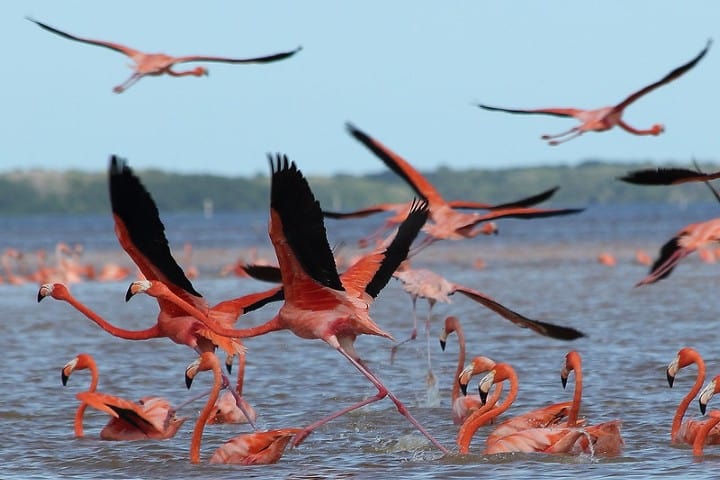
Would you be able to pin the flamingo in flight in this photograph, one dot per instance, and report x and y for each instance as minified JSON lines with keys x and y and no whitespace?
{"x":686,"y":431}
{"x":605,"y":118}
{"x":400,"y":211}
{"x":155,"y":64}
{"x":150,"y":418}
{"x":257,"y":448}
{"x":319,"y":303}
{"x":446,"y":222}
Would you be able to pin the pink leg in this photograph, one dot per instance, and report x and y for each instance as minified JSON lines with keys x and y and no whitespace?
{"x":127,"y":83}
{"x":431,"y":376}
{"x":570,"y":137}
{"x":382,"y":392}
{"x":562,"y":134}
{"x":413,"y":334}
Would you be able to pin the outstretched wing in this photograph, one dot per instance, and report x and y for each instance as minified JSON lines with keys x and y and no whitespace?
{"x":100,"y":43}
{"x":265,"y":59}
{"x":558,"y":112}
{"x":666,"y":79}
{"x":543,"y":328}
{"x":667,"y":176}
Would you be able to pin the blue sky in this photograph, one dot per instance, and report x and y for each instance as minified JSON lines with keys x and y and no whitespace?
{"x":406,"y":72}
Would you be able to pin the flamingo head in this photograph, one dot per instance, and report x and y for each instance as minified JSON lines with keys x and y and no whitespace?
{"x":707,"y":393}
{"x":657,"y":129}
{"x":201,"y":71}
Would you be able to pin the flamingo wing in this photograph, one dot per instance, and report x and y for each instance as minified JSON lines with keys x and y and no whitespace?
{"x":141,"y":234}
{"x":398,"y":165}
{"x":363,"y":212}
{"x":543,"y":328}
{"x":264,"y":59}
{"x":100,"y":43}
{"x":120,"y":408}
{"x":667,"y":176}
{"x":265,"y":273}
{"x":558,"y":112}
{"x":666,"y":79}
{"x":252,"y":301}
{"x":257,"y":448}
{"x":670,"y":255}
{"x":523,"y":202}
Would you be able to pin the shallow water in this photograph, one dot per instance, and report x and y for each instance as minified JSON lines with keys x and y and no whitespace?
{"x":545,"y":269}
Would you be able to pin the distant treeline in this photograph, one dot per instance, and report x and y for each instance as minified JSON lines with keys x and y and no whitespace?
{"x":592,"y":182}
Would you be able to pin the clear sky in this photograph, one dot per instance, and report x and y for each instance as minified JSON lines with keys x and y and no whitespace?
{"x":405,"y":71}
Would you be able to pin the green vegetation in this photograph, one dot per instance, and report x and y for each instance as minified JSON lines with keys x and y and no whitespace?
{"x":592,"y":182}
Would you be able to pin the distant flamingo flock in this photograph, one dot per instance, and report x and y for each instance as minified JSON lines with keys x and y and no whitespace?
{"x":317,"y":296}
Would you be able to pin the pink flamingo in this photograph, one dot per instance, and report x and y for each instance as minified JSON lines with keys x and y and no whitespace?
{"x":151,"y":418}
{"x":703,"y":432}
{"x":155,"y":64}
{"x":605,"y":118}
{"x":257,"y":448}
{"x":446,"y":222}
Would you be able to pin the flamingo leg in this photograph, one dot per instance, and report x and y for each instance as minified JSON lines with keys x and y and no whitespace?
{"x":576,"y":134}
{"x":413,"y":334}
{"x":561,"y":134}
{"x":430,"y":375}
{"x":173,"y":73}
{"x":128,"y":83}
{"x":368,"y":240}
{"x":382,"y":393}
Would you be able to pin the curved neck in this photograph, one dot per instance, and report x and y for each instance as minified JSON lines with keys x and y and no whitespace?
{"x":152,"y":332}
{"x":685,"y":402}
{"x":78,"y":424}
{"x":577,"y":396}
{"x":461,"y":363}
{"x":483,"y":416}
{"x":205,"y":414}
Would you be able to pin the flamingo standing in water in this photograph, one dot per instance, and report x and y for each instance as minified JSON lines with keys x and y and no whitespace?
{"x":150,"y":418}
{"x":447,"y":223}
{"x":605,"y":118}
{"x":257,"y":448}
{"x":532,"y":438}
{"x":711,"y":434}
{"x":400,"y":211}
{"x":319,"y":304}
{"x":156,"y":64}
{"x":703,"y":432}
{"x":686,"y":431}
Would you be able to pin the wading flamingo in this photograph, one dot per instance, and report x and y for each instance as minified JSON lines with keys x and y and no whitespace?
{"x":150,"y":418}
{"x":703,"y":432}
{"x":685,"y":431}
{"x":603,"y":438}
{"x":532,"y":439}
{"x":155,"y":64}
{"x":690,"y":238}
{"x":424,"y":283}
{"x":400,"y":211}
{"x":257,"y":448}
{"x":319,"y":304}
{"x":446,"y":223}
{"x":605,"y":118}
{"x":712,"y":435}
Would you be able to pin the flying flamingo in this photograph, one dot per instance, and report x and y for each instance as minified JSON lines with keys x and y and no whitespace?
{"x":400,"y":211}
{"x":605,"y":118}
{"x":538,"y":439}
{"x":319,"y":304}
{"x":686,"y":431}
{"x":464,"y":405}
{"x":605,"y":438}
{"x":446,"y":223}
{"x":690,"y":238}
{"x":257,"y":448}
{"x":155,"y":64}
{"x":151,"y":418}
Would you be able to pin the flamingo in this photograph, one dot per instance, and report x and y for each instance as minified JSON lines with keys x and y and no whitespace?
{"x":151,"y":418}
{"x":155,"y":64}
{"x":605,"y":118}
{"x":712,"y":436}
{"x":319,"y":304}
{"x":447,"y":223}
{"x":692,"y":237}
{"x":424,"y":283}
{"x":257,"y":448}
{"x":400,"y":211}
{"x":686,"y":431}
{"x":605,"y":438}
{"x":537,"y":439}
{"x":703,"y":432}
{"x":667,"y":176}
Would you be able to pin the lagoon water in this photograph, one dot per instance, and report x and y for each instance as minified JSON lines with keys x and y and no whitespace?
{"x":545,"y":269}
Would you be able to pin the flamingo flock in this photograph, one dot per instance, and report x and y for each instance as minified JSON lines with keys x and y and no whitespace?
{"x":315,"y":299}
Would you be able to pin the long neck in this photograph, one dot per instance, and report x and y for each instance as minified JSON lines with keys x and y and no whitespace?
{"x":461,"y":363}
{"x":685,"y":402}
{"x":152,"y":332}
{"x":202,"y":419}
{"x":80,"y":412}
{"x":482,"y":416}
{"x":577,"y":397}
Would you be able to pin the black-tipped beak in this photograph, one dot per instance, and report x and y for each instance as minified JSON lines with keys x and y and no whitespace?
{"x":563,"y":379}
{"x":703,"y":406}
{"x":40,"y":296}
{"x":129,"y":294}
{"x":442,"y":344}
{"x":463,"y":388}
{"x":483,"y":395}
{"x":63,"y":377}
{"x":188,"y":381}
{"x":671,"y":379}
{"x":228,"y":367}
